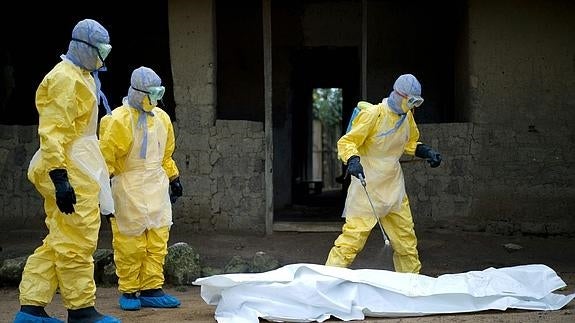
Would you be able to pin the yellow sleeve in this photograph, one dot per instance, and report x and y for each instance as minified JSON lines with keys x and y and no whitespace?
{"x":57,"y":110}
{"x":116,"y":139}
{"x":168,"y":163}
{"x":413,"y":135}
{"x":361,"y":127}
{"x":104,"y":123}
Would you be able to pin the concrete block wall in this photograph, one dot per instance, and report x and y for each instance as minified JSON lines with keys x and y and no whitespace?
{"x":223,"y":179}
{"x":520,"y":67}
{"x":221,"y":161}
{"x":495,"y":178}
{"x":237,"y":156}
{"x":443,"y":196}
{"x":526,"y":178}
{"x":21,"y":206}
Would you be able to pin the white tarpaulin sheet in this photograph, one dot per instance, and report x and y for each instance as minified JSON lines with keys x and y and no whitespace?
{"x":309,"y":292}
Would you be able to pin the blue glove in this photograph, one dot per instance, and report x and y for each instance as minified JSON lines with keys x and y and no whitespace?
{"x":354,"y":166}
{"x":175,"y":189}
{"x":65,"y":195}
{"x":432,"y":156}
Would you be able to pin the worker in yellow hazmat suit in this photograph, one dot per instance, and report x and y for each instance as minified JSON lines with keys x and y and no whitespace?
{"x":377,"y":137}
{"x":137,"y":141}
{"x":70,"y":173}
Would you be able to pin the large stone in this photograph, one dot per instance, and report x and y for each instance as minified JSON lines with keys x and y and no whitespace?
{"x":109,"y":277}
{"x":182,"y":266}
{"x":102,"y":258}
{"x":237,"y":265}
{"x":11,"y":271}
{"x":263,"y":262}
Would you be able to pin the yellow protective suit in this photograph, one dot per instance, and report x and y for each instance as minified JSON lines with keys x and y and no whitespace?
{"x":379,"y":150}
{"x":140,"y":187}
{"x":66,"y":103}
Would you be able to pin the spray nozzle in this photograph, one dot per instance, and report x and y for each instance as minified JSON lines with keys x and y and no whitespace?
{"x":362,"y":179}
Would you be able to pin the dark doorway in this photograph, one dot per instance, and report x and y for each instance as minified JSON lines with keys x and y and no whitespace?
{"x":313,"y":68}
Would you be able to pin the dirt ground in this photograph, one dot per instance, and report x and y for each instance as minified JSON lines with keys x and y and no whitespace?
{"x":441,"y":252}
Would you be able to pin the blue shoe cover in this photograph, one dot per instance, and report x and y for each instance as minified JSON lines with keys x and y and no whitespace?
{"x":109,"y":319}
{"x":129,"y":303}
{"x":22,"y":317}
{"x":165,"y":301}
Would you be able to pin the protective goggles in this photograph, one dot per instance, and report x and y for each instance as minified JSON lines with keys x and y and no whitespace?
{"x":103,"y":49}
{"x":412,"y":100}
{"x":155,"y":93}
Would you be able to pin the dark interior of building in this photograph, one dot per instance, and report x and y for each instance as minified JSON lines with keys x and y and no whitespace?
{"x":314,"y":68}
{"x":34,"y":42}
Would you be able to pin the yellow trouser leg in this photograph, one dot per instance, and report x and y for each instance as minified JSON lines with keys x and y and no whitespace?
{"x":39,"y":281}
{"x":65,"y":258}
{"x":399,"y":228}
{"x":129,"y":254}
{"x":351,"y":241}
{"x":152,"y":275}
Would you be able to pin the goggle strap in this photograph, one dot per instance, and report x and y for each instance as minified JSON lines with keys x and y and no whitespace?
{"x":95,"y":47}
{"x":85,"y":42}
{"x":143,"y":91}
{"x":401,"y":94}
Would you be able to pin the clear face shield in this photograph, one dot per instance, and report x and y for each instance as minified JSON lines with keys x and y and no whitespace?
{"x":156,"y":93}
{"x":104,"y":50}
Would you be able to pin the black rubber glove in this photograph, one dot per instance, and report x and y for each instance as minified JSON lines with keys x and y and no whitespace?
{"x":354,"y":166}
{"x":432,"y":156}
{"x":175,"y":189}
{"x":65,"y":195}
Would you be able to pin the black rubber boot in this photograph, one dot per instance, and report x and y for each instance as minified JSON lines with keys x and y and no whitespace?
{"x":84,"y":315}
{"x":156,"y":292}
{"x":34,"y":310}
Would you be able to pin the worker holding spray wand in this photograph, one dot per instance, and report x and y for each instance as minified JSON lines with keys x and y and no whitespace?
{"x":364,"y":184}
{"x":377,"y":136}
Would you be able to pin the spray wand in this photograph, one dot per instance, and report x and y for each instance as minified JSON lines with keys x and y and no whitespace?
{"x":363,"y":183}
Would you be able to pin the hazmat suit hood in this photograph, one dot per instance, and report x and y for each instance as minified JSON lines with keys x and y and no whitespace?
{"x":142,"y":79}
{"x":406,"y":85}
{"x":87,"y":32}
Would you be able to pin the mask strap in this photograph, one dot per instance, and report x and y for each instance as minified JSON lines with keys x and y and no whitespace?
{"x":143,"y":124}
{"x":394,"y":129}
{"x":101,"y":97}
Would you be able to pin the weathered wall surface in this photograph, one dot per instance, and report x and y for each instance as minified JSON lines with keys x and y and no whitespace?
{"x":522,"y":72}
{"x":442,"y":196}
{"x":221,"y":161}
{"x":21,"y":207}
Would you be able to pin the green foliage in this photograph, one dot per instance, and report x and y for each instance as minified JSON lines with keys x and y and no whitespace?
{"x":327,"y":106}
